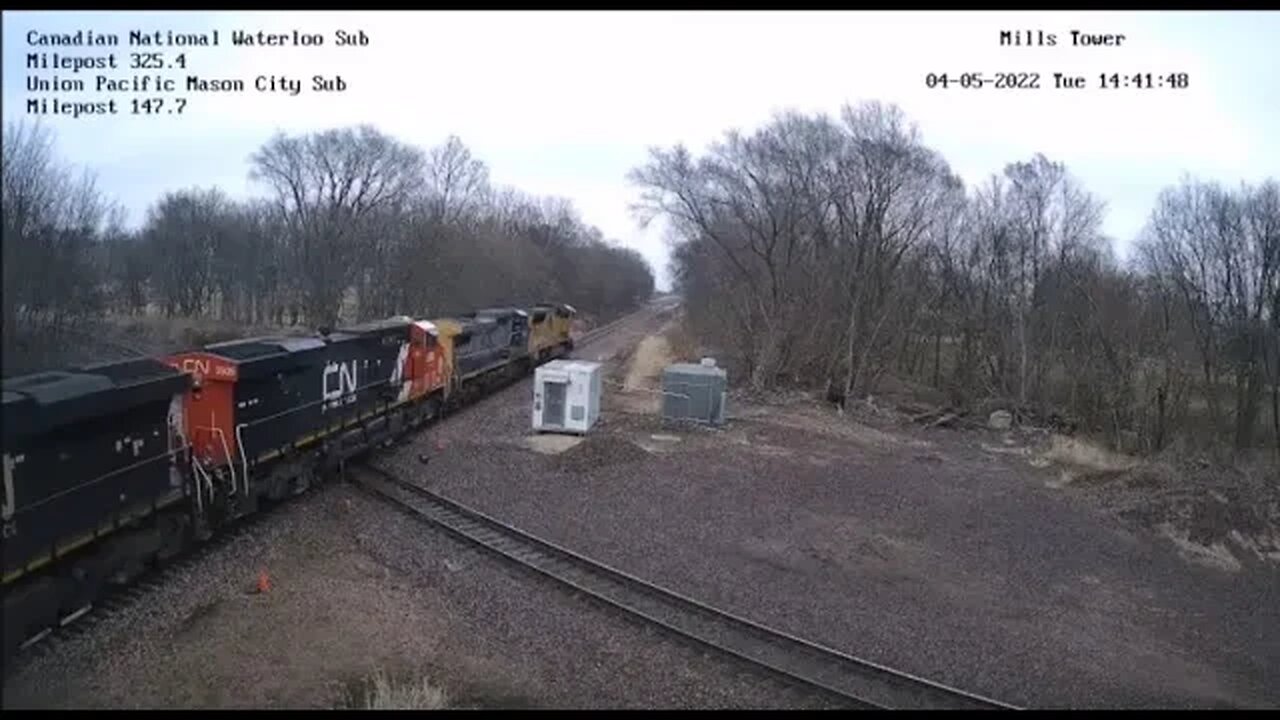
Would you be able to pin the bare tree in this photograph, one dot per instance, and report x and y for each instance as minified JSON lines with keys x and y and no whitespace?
{"x":457,"y":184}
{"x":52,"y":221}
{"x":1051,"y":220}
{"x":1217,"y":249}
{"x":746,"y":200}
{"x":184,"y":233}
{"x":327,"y":185}
{"x":1260,"y":305}
{"x":891,"y":192}
{"x":358,"y":225}
{"x":828,"y":253}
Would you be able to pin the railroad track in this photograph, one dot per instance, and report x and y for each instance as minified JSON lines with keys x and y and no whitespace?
{"x":611,"y":327}
{"x":828,"y":672}
{"x":117,"y":599}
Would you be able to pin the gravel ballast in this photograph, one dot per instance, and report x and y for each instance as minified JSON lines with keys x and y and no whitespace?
{"x":912,"y":549}
{"x":919,"y":552}
{"x":356,"y":588}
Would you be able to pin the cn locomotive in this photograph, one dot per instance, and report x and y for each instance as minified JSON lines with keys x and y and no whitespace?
{"x":111,"y":468}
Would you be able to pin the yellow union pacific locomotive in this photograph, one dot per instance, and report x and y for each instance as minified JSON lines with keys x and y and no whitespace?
{"x":549,"y":325}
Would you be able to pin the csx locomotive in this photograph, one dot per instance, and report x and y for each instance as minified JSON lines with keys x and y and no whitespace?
{"x":109,"y":468}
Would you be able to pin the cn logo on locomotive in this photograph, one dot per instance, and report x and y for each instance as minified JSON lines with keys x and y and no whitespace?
{"x":198,"y":368}
{"x":342,"y":390}
{"x":201,"y":368}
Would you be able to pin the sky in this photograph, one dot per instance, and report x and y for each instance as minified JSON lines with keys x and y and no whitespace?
{"x":566,"y":103}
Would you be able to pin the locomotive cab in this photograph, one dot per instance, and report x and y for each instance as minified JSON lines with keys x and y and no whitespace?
{"x":549,"y":331}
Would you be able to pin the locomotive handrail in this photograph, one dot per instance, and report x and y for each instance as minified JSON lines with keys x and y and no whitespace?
{"x":201,"y":469}
{"x":244,"y":461}
{"x":226,"y":452}
{"x":198,"y":470}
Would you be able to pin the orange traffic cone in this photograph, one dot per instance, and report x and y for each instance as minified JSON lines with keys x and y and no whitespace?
{"x":264,"y":583}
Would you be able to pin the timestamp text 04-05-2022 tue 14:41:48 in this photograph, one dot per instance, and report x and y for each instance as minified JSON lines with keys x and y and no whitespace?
{"x":1058,"y":81}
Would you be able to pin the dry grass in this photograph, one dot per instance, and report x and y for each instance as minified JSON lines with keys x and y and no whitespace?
{"x":637,"y":373}
{"x":647,"y":362}
{"x":1216,"y":514}
{"x":1213,"y":554}
{"x":681,"y":342}
{"x":381,"y":691}
{"x":1081,"y":453}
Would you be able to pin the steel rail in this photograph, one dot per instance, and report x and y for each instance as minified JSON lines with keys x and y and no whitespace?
{"x":831,"y":672}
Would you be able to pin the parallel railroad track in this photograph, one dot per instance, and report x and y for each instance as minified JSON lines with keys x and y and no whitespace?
{"x":828,"y":672}
{"x":614,"y":326}
{"x":138,"y":590}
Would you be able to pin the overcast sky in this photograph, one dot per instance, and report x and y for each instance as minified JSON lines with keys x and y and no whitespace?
{"x":565,"y":103}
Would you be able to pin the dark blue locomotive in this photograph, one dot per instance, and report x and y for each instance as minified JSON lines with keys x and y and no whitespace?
{"x":88,"y":453}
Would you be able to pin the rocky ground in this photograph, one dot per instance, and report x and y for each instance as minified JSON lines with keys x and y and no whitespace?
{"x":358,"y":593}
{"x":951,"y":554}
{"x":963,"y":556}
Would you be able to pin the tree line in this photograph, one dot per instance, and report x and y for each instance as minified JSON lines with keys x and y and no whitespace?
{"x":830,"y":251}
{"x":353,"y":225}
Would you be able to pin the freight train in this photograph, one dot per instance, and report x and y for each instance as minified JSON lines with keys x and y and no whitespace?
{"x":111,"y":468}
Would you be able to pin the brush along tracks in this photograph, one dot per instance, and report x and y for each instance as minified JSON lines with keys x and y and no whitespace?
{"x":835,"y":675}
